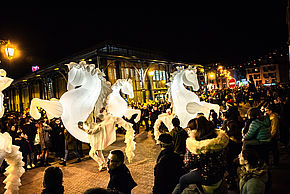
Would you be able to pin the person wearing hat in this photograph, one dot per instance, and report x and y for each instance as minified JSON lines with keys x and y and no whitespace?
{"x":168,"y":168}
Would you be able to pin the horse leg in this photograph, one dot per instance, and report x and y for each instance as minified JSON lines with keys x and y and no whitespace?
{"x":52,"y":107}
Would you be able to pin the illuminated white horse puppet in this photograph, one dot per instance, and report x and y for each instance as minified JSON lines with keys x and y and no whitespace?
{"x":186,"y":104}
{"x":103,"y":134}
{"x":117,"y":106}
{"x":86,"y":96}
{"x":9,"y":152}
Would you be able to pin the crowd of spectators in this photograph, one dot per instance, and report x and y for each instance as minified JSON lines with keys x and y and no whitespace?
{"x":196,"y":158}
{"x":38,"y":138}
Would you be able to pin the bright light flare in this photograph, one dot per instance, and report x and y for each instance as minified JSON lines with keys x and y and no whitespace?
{"x":10,"y":50}
{"x":151,"y":73}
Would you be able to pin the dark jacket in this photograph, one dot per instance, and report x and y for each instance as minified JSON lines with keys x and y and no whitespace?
{"x":121,"y":179}
{"x":154,"y":116}
{"x":207,"y":156}
{"x":167,"y":171}
{"x":145,"y":113}
{"x":179,"y":136}
{"x":30,"y":130}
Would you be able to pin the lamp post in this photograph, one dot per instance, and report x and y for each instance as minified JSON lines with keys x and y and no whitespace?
{"x":8,"y":49}
{"x":142,"y":75}
{"x":151,"y":73}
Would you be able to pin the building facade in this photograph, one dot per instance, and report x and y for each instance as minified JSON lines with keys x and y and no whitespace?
{"x":148,"y":70}
{"x":264,"y":74}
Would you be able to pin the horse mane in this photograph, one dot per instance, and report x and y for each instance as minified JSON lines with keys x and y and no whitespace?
{"x":105,"y":87}
{"x":173,"y":76}
{"x":120,"y":82}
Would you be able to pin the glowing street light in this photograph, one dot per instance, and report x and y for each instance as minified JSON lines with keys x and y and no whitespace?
{"x":8,"y":49}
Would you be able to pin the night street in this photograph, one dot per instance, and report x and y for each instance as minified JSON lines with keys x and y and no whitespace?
{"x":144,"y":98}
{"x":78,"y":177}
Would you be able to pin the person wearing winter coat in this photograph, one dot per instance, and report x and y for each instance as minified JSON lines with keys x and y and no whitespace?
{"x":205,"y":154}
{"x":168,"y":168}
{"x":258,"y":135}
{"x":259,"y":128}
{"x":179,"y":136}
{"x":45,"y":140}
{"x":234,"y":149}
{"x":275,"y":133}
{"x":253,"y":173}
{"x":120,"y":176}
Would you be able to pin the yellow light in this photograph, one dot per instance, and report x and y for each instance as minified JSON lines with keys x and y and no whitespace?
{"x":201,"y":70}
{"x":220,"y":67}
{"x":38,"y":75}
{"x":151,"y":73}
{"x":9,"y":50}
{"x":56,"y":69}
{"x":211,"y":75}
{"x":24,"y":80}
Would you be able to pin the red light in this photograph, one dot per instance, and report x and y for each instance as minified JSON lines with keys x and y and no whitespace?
{"x":35,"y":68}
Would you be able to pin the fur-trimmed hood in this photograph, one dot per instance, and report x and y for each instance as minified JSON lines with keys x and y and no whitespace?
{"x":207,"y":145}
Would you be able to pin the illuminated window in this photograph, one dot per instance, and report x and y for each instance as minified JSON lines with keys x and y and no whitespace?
{"x":50,"y":92}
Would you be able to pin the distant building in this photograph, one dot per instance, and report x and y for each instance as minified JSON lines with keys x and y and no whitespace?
{"x":264,"y":74}
{"x":115,"y":60}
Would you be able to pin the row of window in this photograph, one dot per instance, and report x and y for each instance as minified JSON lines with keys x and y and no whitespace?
{"x":265,"y":75}
{"x":265,"y":69}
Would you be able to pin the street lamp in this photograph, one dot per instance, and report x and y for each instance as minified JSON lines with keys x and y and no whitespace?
{"x":8,"y":49}
{"x":151,"y":73}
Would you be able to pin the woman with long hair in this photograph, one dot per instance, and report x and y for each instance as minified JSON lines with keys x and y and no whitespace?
{"x":205,"y":157}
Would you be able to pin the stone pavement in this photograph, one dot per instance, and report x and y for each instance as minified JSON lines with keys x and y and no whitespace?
{"x":78,"y":177}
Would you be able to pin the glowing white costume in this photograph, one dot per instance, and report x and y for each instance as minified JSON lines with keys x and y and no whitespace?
{"x":9,"y":152}
{"x":162,"y":118}
{"x":86,"y":96}
{"x":186,"y":104}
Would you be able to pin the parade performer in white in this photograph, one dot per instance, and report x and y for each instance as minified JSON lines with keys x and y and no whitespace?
{"x":166,"y":119}
{"x":102,"y":133}
{"x":86,"y":96}
{"x":9,"y":152}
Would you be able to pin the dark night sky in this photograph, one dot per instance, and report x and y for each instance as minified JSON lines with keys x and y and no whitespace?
{"x":223,"y":31}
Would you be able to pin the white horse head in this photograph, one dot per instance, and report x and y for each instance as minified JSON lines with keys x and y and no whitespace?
{"x":4,"y":83}
{"x":80,"y":74}
{"x":117,"y":106}
{"x":127,"y":88}
{"x":190,"y":78}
